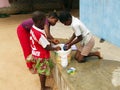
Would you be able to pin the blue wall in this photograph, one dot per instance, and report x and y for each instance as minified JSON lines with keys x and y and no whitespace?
{"x":102,"y":17}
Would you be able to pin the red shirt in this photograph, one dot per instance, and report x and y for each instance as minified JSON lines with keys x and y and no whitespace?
{"x":38,"y":43}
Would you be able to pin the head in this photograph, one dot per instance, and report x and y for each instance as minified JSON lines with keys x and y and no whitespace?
{"x":53,"y":18}
{"x":65,"y":18}
{"x":39,"y":19}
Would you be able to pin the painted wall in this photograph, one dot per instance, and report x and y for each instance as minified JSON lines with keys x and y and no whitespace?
{"x":4,"y":3}
{"x":102,"y":17}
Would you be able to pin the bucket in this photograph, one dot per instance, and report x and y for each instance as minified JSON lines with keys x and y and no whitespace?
{"x":63,"y":57}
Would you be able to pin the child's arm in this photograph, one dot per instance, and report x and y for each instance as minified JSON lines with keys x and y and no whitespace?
{"x":50,"y":48}
{"x":49,"y":36}
{"x":47,"y":31}
{"x":46,"y":44}
{"x":55,"y":41}
{"x":71,"y":39}
{"x":79,"y":38}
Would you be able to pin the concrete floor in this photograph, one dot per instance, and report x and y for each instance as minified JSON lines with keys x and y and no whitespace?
{"x":13,"y":72}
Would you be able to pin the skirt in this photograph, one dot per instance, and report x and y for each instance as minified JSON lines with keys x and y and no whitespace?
{"x":39,"y":65}
{"x":24,"y":39}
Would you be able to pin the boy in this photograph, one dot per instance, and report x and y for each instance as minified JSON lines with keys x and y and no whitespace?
{"x":81,"y":34}
{"x":40,"y":48}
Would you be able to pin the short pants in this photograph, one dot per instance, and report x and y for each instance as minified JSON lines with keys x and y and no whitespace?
{"x":86,"y":49}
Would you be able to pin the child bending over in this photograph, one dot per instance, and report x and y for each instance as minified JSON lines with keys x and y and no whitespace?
{"x":81,"y":34}
{"x":23,"y":32}
{"x":51,"y":21}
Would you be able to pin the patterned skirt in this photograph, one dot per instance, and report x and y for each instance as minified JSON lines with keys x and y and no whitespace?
{"x":39,"y":65}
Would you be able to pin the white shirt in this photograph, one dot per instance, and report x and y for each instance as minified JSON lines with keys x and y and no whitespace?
{"x":80,"y":29}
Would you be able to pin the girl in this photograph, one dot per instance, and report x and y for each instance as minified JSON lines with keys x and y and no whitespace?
{"x":23,"y":32}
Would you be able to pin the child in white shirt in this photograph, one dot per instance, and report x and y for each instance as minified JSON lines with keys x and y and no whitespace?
{"x":81,"y":34}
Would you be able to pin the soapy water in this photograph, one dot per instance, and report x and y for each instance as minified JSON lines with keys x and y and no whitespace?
{"x":62,"y":46}
{"x":65,"y":47}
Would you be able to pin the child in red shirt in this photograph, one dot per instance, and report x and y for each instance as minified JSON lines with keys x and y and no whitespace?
{"x":23,"y":32}
{"x":40,"y":48}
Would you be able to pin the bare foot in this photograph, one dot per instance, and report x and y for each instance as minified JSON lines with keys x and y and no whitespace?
{"x":47,"y":88}
{"x":98,"y":55}
{"x":75,"y":58}
{"x":81,"y":61}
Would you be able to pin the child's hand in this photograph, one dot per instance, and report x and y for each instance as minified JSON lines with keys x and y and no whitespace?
{"x":67,"y":46}
{"x":68,"y":42}
{"x":58,"y":48}
{"x":55,"y":41}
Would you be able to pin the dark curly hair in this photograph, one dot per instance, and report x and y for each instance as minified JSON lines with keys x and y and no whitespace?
{"x":53,"y":14}
{"x":38,"y":15}
{"x":64,"y":16}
